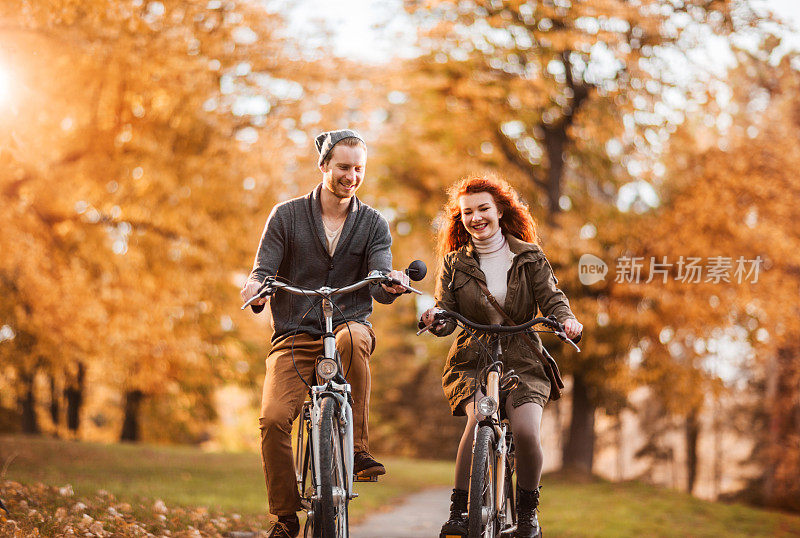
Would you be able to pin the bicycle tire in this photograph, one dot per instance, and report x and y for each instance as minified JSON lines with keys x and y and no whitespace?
{"x":510,"y":494}
{"x":510,"y":508}
{"x":333,"y":482}
{"x":481,"y":487}
{"x":308,"y":486}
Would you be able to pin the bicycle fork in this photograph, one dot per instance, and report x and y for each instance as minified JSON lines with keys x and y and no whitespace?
{"x":345,"y":425}
{"x":345,"y":412}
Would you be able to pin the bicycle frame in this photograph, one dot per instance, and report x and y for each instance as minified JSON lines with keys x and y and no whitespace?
{"x":501,"y":444}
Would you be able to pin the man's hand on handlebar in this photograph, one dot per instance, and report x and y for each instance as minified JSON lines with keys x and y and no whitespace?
{"x":397,"y":289}
{"x":250,"y":290}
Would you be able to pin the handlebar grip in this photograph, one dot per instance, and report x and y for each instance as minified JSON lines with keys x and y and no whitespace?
{"x":257,"y":308}
{"x":577,"y":338}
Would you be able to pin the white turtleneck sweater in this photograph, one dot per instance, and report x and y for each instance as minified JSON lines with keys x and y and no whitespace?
{"x":495,"y":257}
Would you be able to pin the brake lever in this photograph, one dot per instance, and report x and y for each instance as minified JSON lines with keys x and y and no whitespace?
{"x":563,"y":336}
{"x":427,"y":328}
{"x":436,"y":321}
{"x":406,"y":286}
{"x":265,"y":292}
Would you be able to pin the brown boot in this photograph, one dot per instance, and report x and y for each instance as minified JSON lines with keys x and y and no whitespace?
{"x":285,"y":527}
{"x":365,"y":466}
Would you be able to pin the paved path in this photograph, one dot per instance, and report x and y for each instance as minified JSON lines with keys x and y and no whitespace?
{"x":418,"y":516}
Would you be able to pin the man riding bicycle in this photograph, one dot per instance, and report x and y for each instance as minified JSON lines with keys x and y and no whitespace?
{"x":326,"y":238}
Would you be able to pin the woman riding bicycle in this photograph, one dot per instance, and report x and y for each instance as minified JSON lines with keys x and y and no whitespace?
{"x":488,"y":240}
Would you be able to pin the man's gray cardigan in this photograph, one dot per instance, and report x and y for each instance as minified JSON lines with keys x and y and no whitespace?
{"x":293,"y":246}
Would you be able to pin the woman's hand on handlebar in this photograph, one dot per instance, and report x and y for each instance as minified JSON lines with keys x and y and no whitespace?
{"x":428,"y":320}
{"x":572,"y":328}
{"x":427,"y":317}
{"x":397,"y":289}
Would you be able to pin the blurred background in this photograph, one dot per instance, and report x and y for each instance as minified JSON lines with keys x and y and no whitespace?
{"x":143,"y":144}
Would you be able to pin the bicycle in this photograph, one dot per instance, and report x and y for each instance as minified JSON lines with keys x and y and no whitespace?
{"x":491,"y":509}
{"x":324,"y":451}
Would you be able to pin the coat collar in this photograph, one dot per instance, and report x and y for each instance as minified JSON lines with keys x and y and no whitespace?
{"x":523,"y":252}
{"x":519,"y":247}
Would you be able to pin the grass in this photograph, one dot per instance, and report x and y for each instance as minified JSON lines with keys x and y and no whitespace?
{"x":186,"y":476}
{"x":632,"y":509}
{"x":227,"y":484}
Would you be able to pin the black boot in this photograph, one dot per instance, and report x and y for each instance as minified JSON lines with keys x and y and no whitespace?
{"x":456,"y":526}
{"x":527,"y":519}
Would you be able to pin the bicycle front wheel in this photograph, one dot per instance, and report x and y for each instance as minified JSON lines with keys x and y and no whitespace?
{"x":333,"y":482}
{"x":482,"y":513}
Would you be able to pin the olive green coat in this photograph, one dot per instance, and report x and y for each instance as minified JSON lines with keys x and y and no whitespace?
{"x":532,"y":287}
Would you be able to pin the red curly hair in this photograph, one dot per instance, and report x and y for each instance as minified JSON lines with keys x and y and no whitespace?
{"x":516,"y":219}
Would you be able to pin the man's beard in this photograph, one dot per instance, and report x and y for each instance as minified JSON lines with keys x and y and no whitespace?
{"x":341,"y":192}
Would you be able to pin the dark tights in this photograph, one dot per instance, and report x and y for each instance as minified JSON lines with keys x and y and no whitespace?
{"x":525,"y":423}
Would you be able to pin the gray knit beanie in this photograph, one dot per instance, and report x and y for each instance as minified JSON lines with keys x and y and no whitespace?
{"x":326,"y":141}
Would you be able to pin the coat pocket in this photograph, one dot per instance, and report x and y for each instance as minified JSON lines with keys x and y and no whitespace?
{"x":465,"y":351}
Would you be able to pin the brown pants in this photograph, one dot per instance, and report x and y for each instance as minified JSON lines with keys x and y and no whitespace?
{"x":283,"y":397}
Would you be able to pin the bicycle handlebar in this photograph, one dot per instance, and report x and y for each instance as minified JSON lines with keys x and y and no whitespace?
{"x":441,"y":314}
{"x":271,"y":284}
{"x":555,"y":326}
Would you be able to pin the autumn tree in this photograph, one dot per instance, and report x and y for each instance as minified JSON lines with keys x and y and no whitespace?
{"x":575,"y":98}
{"x":130,"y":180}
{"x":729,"y":192}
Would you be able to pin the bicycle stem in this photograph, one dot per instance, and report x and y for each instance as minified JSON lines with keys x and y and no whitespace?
{"x":329,"y":340}
{"x":493,"y":387}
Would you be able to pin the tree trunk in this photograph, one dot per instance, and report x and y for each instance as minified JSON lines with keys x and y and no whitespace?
{"x":620,"y":442}
{"x":74,"y":395}
{"x":781,"y":488}
{"x":555,"y":141}
{"x":55,"y":404}
{"x":133,"y":405}
{"x":579,"y":450}
{"x":27,"y":403}
{"x":692,"y":434}
{"x":771,"y":391}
